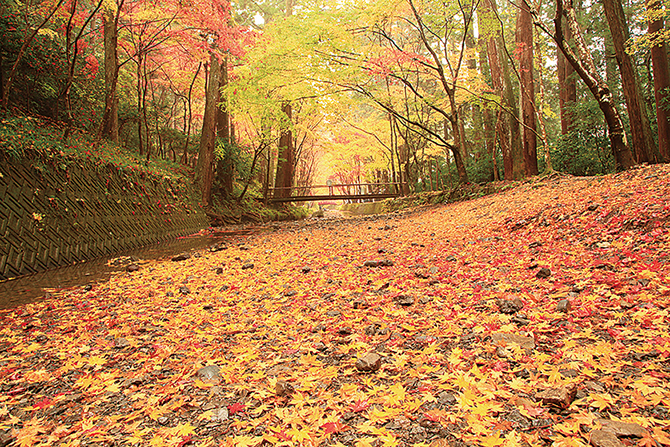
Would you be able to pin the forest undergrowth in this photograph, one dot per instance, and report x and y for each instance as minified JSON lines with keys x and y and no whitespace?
{"x":532,"y":317}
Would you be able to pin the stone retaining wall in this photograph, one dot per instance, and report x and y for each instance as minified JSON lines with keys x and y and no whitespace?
{"x":53,"y":216}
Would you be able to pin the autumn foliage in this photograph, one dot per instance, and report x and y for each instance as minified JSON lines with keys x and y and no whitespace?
{"x":478,"y":344}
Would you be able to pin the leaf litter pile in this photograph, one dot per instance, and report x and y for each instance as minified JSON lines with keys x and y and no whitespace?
{"x":536,"y":316}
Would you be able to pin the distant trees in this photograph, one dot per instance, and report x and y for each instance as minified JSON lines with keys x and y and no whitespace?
{"x":255,"y":96}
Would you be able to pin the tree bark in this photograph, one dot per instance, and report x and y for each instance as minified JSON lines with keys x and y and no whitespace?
{"x":637,"y":113}
{"x":285,"y":163}
{"x":524,"y":41}
{"x":567,"y":86}
{"x":583,"y":64}
{"x":659,"y":61}
{"x":225,"y":168}
{"x":205,"y":168}
{"x":110,"y":117}
{"x":502,"y":128}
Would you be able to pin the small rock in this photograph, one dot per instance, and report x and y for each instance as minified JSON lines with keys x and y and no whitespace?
{"x":404,"y":300}
{"x":378,"y":263}
{"x":543,"y":273}
{"x":592,"y":207}
{"x":181,"y":257}
{"x":88,"y":288}
{"x":120,"y":343}
{"x":132,"y":268}
{"x":450,"y":258}
{"x":371,"y":330}
{"x":564,"y":306}
{"x":163,"y":420}
{"x":370,"y":362}
{"x":500,"y":338}
{"x":247,"y":266}
{"x":320,"y":346}
{"x":520,"y":320}
{"x":558,"y":397}
{"x":510,"y":306}
{"x":220,"y":415}
{"x":446,"y":398}
{"x":623,"y":428}
{"x":184,"y":290}
{"x":210,"y":372}
{"x":283,"y":388}
{"x":6,"y":440}
{"x":218,"y":270}
{"x":605,"y":438}
{"x":422,"y":274}
{"x":306,"y":269}
{"x":345,"y":331}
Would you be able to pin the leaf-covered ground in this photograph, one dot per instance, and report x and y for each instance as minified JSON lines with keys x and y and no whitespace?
{"x":465,"y":305}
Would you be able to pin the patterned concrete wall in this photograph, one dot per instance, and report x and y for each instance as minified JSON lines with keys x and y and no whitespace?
{"x":51,"y":216}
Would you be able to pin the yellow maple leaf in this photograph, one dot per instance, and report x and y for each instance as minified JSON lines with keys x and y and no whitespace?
{"x":157,"y":441}
{"x":601,"y":401}
{"x":85,"y":382}
{"x":184,"y":429}
{"x":661,"y":435}
{"x":366,"y":442}
{"x":96,"y":360}
{"x":492,"y":441}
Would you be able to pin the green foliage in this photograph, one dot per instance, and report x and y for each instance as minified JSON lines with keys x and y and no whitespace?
{"x":586,"y":149}
{"x":32,"y":137}
{"x":480,"y":170}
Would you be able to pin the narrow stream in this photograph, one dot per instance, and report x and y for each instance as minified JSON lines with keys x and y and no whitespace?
{"x":30,"y":288}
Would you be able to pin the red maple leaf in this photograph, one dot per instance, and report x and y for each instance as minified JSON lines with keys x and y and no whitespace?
{"x":236,"y":408}
{"x":360,"y":405}
{"x":333,"y":427}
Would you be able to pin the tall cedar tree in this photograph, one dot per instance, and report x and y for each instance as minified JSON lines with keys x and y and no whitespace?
{"x":635,"y":104}
{"x":567,"y":85}
{"x":582,"y":62}
{"x":205,"y":168}
{"x":659,"y":60}
{"x":524,"y":41}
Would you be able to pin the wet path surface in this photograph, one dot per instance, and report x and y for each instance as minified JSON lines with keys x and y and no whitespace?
{"x":30,"y":288}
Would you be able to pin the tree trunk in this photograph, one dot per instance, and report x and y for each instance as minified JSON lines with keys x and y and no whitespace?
{"x":567,"y":86}
{"x":659,"y":61}
{"x":205,"y":169}
{"x":524,"y":41}
{"x":184,"y":157}
{"x":110,"y":116}
{"x":507,"y":126}
{"x":583,"y":64}
{"x":540,"y":115}
{"x":285,"y":163}
{"x":637,"y":112}
{"x":225,"y":168}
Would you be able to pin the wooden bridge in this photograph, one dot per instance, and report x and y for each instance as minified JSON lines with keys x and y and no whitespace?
{"x":344,"y":191}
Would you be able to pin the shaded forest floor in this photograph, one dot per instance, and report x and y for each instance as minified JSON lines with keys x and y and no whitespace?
{"x":536,"y":316}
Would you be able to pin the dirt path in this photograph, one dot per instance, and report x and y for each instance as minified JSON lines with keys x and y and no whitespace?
{"x":534,"y":316}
